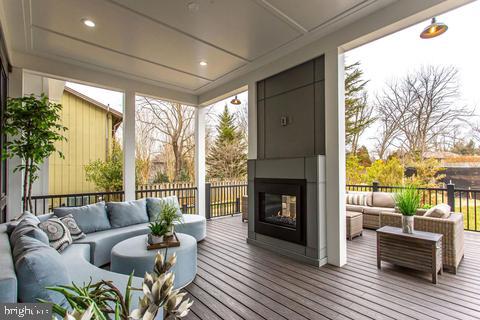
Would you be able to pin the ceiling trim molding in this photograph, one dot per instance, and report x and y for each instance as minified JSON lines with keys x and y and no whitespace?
{"x":178,"y":30}
{"x":93,"y":75}
{"x":280,"y":14}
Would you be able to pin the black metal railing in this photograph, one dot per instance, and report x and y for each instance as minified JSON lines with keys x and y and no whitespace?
{"x":220,"y":199}
{"x":187,"y":197}
{"x":45,"y":204}
{"x":465,"y":201}
{"x":223,"y":200}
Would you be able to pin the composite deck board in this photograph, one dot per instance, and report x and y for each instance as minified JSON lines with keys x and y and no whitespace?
{"x":236,"y":280}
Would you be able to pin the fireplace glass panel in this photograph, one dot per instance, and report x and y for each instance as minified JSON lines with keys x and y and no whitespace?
{"x":280,"y":210}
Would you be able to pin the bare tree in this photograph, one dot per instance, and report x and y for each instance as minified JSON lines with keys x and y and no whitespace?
{"x":419,"y":109}
{"x":173,"y":124}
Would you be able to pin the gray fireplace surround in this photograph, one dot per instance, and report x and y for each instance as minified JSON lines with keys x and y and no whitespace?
{"x":290,"y":109}
{"x":312,"y":169}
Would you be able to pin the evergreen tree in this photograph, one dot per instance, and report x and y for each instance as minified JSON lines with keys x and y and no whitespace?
{"x":227,"y":158}
{"x":358,"y":114}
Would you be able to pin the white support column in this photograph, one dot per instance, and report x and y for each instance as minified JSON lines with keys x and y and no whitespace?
{"x":129,"y":146}
{"x":335,"y":157}
{"x":252,"y":120}
{"x":14,"y":179}
{"x":200,"y":159}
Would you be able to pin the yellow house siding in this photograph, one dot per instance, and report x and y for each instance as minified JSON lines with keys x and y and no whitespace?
{"x":86,"y":141}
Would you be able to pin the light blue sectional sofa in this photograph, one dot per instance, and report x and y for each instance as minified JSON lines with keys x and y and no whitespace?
{"x":104,"y":224}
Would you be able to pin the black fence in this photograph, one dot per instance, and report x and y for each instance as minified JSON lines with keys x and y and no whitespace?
{"x":45,"y":204}
{"x":223,"y":200}
{"x":220,"y":199}
{"x":465,"y":201}
{"x":187,"y":197}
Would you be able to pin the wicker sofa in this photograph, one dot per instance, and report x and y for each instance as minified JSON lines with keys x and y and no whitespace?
{"x":451,"y":228}
{"x":370,"y":204}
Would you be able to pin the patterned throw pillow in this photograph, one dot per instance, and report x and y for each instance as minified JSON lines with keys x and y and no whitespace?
{"x":355,"y":199}
{"x":72,"y":226}
{"x":58,"y":234}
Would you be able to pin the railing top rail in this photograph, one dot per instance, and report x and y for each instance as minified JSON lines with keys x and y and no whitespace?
{"x":78,"y":194}
{"x":171,"y":189}
{"x":397,"y":187}
{"x":229,"y":186}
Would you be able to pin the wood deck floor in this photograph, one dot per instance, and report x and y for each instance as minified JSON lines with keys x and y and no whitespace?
{"x":238,"y":281}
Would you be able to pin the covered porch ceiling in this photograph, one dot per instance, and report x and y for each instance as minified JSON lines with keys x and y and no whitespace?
{"x":164,"y":42}
{"x":161,"y":47}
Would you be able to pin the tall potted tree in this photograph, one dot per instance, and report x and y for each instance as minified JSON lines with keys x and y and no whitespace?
{"x":32,"y":123}
{"x":408,"y":201}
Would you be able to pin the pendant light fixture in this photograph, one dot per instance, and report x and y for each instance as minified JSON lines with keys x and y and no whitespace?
{"x":235,"y":101}
{"x":434,"y":29}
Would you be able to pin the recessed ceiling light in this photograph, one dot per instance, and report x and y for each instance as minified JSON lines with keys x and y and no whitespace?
{"x":203,"y":63}
{"x":88,"y":23}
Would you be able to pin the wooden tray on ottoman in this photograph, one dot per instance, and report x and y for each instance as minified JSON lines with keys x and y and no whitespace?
{"x":170,"y":242}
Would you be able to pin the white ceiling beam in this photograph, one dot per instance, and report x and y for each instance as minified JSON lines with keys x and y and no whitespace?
{"x":76,"y":73}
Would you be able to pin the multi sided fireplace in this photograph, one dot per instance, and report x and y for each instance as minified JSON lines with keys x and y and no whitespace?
{"x":280,"y":208}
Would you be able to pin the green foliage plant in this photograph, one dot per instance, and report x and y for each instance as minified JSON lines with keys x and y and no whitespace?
{"x":103,"y":300}
{"x":157,"y":228}
{"x":34,"y":127}
{"x":107,"y":175}
{"x":408,"y":200}
{"x":168,"y":215}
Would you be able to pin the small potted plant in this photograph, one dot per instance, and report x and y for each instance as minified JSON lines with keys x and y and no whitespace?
{"x":168,"y":216}
{"x":408,"y":201}
{"x":157,"y":231}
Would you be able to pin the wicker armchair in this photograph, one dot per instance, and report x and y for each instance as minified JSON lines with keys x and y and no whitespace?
{"x":451,"y":228}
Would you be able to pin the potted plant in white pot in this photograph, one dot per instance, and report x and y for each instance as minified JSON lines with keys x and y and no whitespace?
{"x":157,"y":231}
{"x":408,"y":201}
{"x":168,"y":216}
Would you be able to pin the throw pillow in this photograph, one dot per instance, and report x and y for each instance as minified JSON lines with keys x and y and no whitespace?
{"x":39,"y":266}
{"x":439,"y":211}
{"x":58,"y":234}
{"x":28,"y":227}
{"x":72,"y":226}
{"x":24,"y":216}
{"x":89,"y":218}
{"x":357,"y":199}
{"x":155,"y":206}
{"x":127,"y":213}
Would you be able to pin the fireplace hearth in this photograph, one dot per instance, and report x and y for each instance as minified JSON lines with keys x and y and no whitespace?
{"x":280,"y":210}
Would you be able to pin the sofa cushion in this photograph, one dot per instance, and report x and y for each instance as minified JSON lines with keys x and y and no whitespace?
{"x":122,"y":214}
{"x":38,"y":266}
{"x":29,"y":228}
{"x":102,"y":242}
{"x":58,"y":234}
{"x":24,"y":216}
{"x":377,"y":210}
{"x":354,"y":208}
{"x":383,"y":199}
{"x":155,"y":206}
{"x":8,"y":279}
{"x":90,"y":218}
{"x":193,"y":225}
{"x":73,"y":227}
{"x":439,"y":211}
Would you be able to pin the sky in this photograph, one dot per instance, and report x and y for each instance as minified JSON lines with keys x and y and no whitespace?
{"x":395,"y":55}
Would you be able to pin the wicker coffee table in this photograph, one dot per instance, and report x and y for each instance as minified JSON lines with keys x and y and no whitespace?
{"x":420,"y":251}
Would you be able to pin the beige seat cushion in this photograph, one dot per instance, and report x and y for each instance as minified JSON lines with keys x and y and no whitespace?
{"x":439,"y":211}
{"x":377,"y":210}
{"x":351,"y":207}
{"x":383,"y":199}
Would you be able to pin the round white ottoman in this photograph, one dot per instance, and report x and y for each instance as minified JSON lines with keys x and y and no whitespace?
{"x":132,"y":255}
